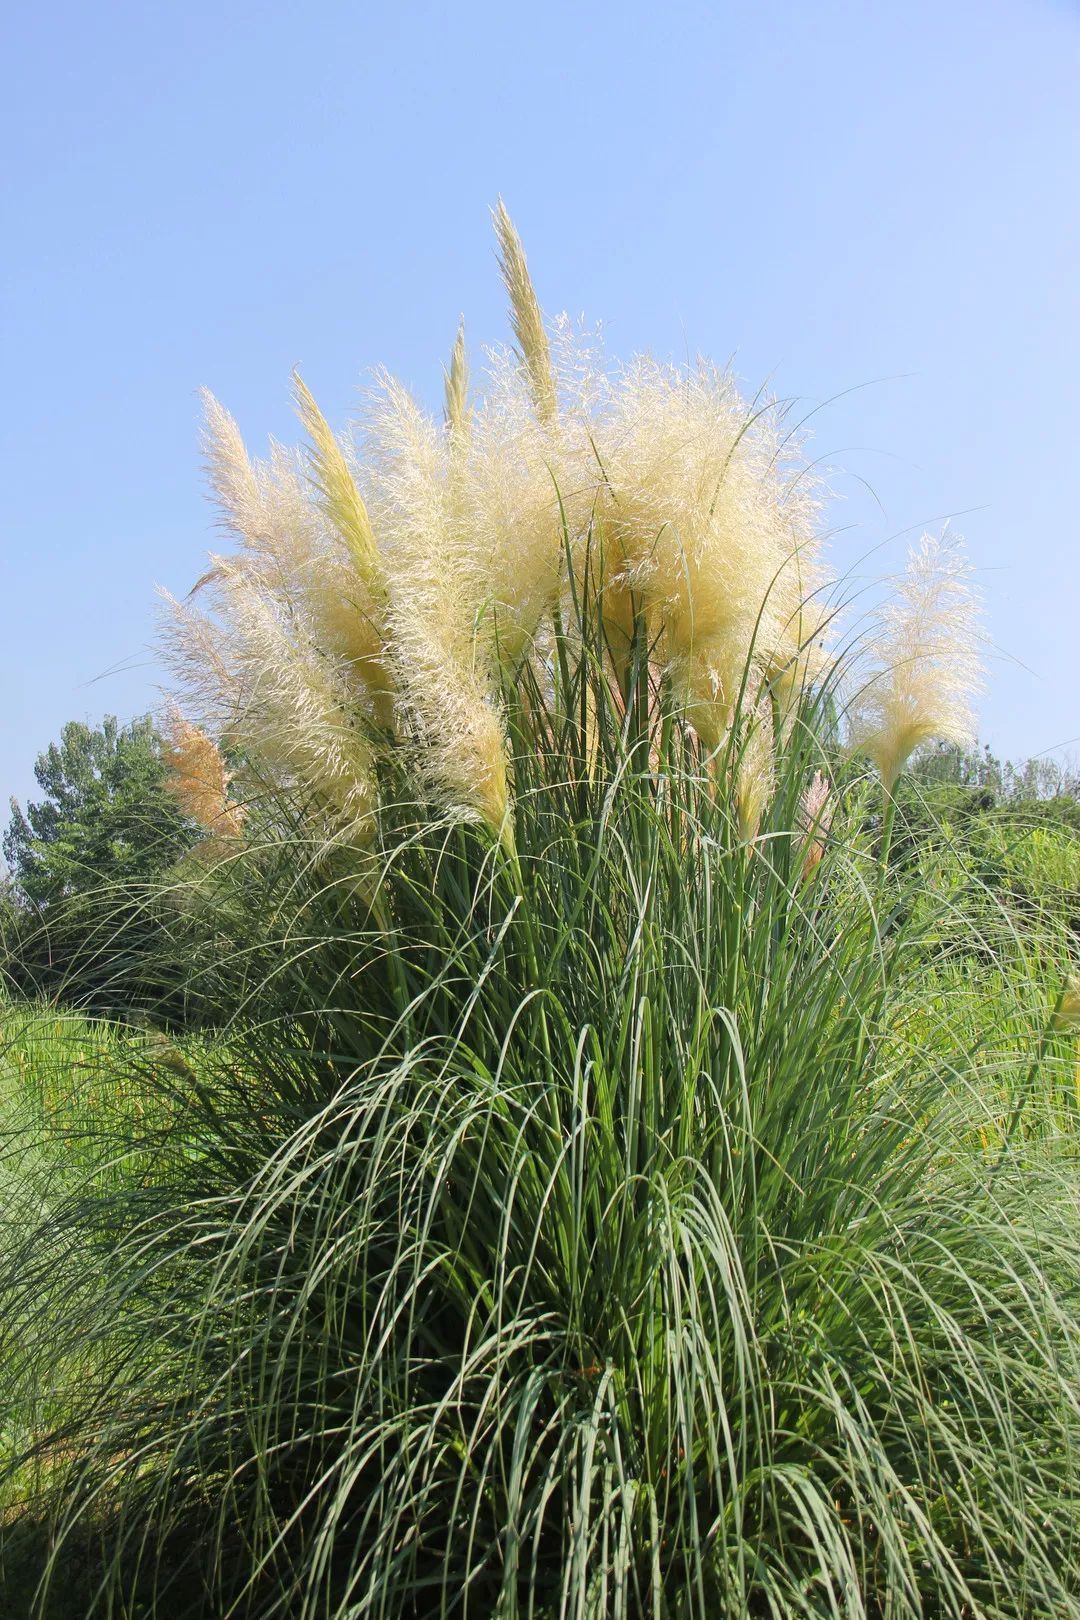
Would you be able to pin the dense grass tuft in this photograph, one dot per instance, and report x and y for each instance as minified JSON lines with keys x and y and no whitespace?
{"x":616,"y":1226}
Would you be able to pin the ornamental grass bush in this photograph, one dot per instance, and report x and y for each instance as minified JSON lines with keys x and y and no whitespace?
{"x":601,"y":1195}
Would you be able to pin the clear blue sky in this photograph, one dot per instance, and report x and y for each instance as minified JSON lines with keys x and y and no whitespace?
{"x":881,"y":193}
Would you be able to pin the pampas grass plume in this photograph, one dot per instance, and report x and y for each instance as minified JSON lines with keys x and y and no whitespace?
{"x":929,"y":668}
{"x":707,"y":526}
{"x":815,"y":819}
{"x":755,"y":775}
{"x":526,"y":317}
{"x":341,"y":499}
{"x":456,"y":390}
{"x":442,"y":628}
{"x":401,"y":599}
{"x":199,"y":779}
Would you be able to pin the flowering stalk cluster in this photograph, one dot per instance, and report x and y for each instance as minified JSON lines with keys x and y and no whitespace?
{"x":386,"y":589}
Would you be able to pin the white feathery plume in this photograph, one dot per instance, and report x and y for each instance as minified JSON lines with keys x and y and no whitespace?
{"x":400,"y":588}
{"x":535,"y":472}
{"x":350,"y":605}
{"x":456,"y":390}
{"x":297,"y":551}
{"x":294,"y":709}
{"x":929,"y":671}
{"x":703,"y":526}
{"x":339,"y":496}
{"x":262,"y":503}
{"x":509,"y":508}
{"x":440,"y":618}
{"x":526,"y":318}
{"x":269,"y":692}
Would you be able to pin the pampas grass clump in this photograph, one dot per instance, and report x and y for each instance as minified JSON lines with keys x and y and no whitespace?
{"x":595,"y":1201}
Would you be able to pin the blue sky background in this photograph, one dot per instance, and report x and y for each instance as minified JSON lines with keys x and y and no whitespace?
{"x":878,"y":196}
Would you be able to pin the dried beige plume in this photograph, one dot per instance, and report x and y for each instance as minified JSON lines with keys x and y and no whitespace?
{"x":704,"y":521}
{"x":292,"y":708}
{"x":231,"y":475}
{"x":287,"y":544}
{"x":199,"y":779}
{"x":353,"y":612}
{"x":263,"y":503}
{"x":403,"y":590}
{"x":929,"y":671}
{"x":509,"y":501}
{"x":341,"y":500}
{"x":291,"y":555}
{"x":526,"y":317}
{"x":456,"y":390}
{"x":442,"y":627}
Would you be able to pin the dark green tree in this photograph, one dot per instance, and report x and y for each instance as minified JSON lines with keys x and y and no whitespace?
{"x":84,"y":857}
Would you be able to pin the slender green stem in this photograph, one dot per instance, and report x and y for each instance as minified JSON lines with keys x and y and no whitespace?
{"x":887,"y":819}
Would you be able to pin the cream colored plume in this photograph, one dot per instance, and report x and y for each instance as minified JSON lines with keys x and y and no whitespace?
{"x":526,"y":317}
{"x":296,"y":543}
{"x":536,"y":471}
{"x":928,"y":664}
{"x":232,"y":477}
{"x":442,"y":626}
{"x":352,"y":608}
{"x":514,"y":485}
{"x":297,"y":707}
{"x":456,"y":390}
{"x":262,"y":503}
{"x":704,"y":521}
{"x":386,"y":596}
{"x":340,"y":498}
{"x":270,"y":693}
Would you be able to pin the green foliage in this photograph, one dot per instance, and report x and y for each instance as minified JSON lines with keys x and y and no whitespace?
{"x":633,"y":1225}
{"x":83,"y":858}
{"x":1009,"y":835}
{"x":105,"y":814}
{"x":1033,"y":781}
{"x":1047,"y":861}
{"x":69,"y":1085}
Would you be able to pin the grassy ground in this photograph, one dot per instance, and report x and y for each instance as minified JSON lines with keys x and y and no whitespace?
{"x":69,"y":1085}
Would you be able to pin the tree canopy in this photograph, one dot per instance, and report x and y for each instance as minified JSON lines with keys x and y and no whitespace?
{"x":106,"y":813}
{"x":81,"y":918}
